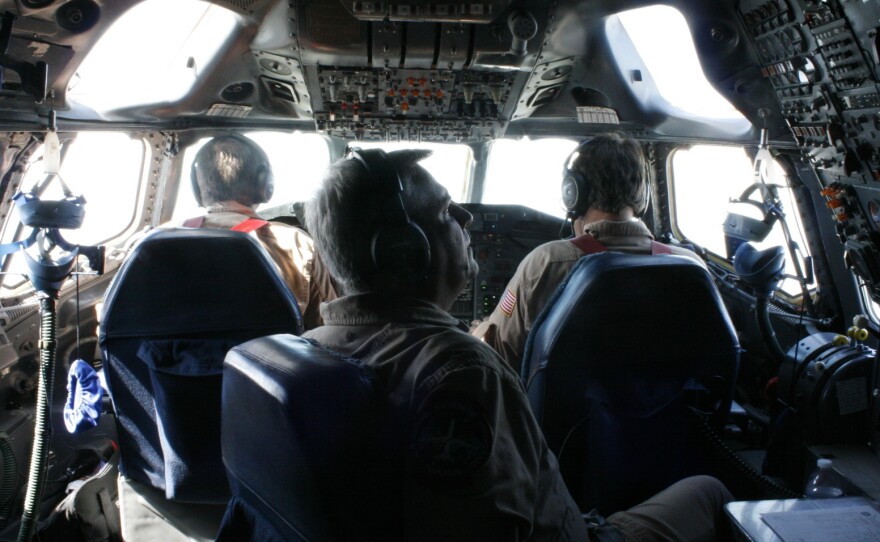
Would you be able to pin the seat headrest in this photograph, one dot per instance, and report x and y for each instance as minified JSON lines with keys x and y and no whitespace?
{"x":299,"y":429}
{"x":214,"y":279}
{"x":662,"y":303}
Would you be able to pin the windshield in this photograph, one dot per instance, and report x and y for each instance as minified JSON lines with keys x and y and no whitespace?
{"x":527,"y":172}
{"x":106,"y":168}
{"x":705,"y":180}
{"x":298,"y":163}
{"x":449,"y":164}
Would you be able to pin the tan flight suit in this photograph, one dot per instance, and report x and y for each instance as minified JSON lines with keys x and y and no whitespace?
{"x":293,"y":252}
{"x":541,"y":272}
{"x":687,"y":510}
{"x":476,"y":462}
{"x":476,"y":465}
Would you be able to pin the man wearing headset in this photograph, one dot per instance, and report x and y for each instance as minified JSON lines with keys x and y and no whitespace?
{"x":471,"y":459}
{"x":605,"y":188}
{"x":231,"y":175}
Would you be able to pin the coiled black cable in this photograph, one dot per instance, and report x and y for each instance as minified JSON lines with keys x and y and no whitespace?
{"x":7,"y":485}
{"x":772,"y":488}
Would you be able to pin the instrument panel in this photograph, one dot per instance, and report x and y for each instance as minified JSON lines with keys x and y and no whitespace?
{"x":501,"y":236}
{"x":412,"y":104}
{"x":821,"y":57}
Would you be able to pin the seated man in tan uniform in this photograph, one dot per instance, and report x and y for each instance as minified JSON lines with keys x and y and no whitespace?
{"x":474,"y":463}
{"x":605,"y":188}
{"x":231,"y":176}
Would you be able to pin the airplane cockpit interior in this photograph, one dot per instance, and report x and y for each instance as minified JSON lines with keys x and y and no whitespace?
{"x":124,"y":323}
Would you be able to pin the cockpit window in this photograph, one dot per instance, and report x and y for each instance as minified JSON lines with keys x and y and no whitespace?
{"x":870,"y":306}
{"x":704,"y":180}
{"x":449,"y":164}
{"x":298,"y":163}
{"x":106,"y":169}
{"x":527,"y":172}
{"x":662,"y":39}
{"x":152,"y":54}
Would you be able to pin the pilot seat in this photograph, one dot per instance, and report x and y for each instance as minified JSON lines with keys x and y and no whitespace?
{"x":304,"y":446}
{"x":179,"y":302}
{"x":630,"y":357}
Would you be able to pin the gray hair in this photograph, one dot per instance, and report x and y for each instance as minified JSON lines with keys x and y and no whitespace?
{"x":616,"y":172}
{"x":346,"y":212}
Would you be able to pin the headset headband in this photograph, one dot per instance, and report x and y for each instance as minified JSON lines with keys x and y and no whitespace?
{"x":398,"y":243}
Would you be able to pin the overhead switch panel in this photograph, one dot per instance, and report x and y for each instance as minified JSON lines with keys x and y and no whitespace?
{"x":365,"y":103}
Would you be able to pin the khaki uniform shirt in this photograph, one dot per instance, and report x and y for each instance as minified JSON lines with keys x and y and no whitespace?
{"x":294,"y":254}
{"x":541,"y":272}
{"x":477,"y":466}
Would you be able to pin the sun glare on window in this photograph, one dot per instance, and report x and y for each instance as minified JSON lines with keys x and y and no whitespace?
{"x":662,"y":38}
{"x":152,"y":54}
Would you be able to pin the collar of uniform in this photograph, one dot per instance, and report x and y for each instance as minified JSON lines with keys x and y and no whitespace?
{"x":230,"y":207}
{"x":610,"y":228}
{"x":377,"y":309}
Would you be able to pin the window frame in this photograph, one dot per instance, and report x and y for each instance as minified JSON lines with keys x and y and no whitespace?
{"x":33,"y":157}
{"x":793,"y":299}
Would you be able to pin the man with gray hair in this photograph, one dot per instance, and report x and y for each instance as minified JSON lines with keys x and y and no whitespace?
{"x":473,"y":463}
{"x":231,"y":176}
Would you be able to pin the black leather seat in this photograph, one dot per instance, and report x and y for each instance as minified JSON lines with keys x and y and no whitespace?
{"x":180,"y":301}
{"x":302,"y":446}
{"x":615,"y":365}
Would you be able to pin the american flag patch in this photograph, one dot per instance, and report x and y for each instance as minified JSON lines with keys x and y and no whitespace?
{"x":508,"y":302}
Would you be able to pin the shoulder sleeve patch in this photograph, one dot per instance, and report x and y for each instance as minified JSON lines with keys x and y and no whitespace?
{"x":450,"y":441}
{"x":508,"y":302}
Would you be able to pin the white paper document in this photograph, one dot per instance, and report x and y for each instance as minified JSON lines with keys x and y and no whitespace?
{"x":846,"y":524}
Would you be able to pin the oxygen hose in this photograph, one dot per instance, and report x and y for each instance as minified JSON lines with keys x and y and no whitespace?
{"x":7,"y":486}
{"x":773,"y":488}
{"x":762,"y":317}
{"x":42,"y":429}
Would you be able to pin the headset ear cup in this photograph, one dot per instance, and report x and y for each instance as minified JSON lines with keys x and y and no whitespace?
{"x":570,"y":193}
{"x":267,"y":183}
{"x":398,"y":244}
{"x":401,"y":247}
{"x":575,"y":193}
{"x":194,"y":178}
{"x":646,"y":199}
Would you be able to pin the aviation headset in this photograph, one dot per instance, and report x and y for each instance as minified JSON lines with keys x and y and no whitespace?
{"x":577,"y":188}
{"x":264,"y":180}
{"x":398,"y":243}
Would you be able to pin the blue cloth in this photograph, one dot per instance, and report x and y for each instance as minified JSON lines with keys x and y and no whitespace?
{"x":84,"y":393}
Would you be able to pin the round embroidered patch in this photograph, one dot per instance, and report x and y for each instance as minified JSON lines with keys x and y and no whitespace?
{"x":451,"y":440}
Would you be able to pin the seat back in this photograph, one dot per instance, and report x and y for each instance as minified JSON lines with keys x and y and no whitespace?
{"x":615,"y":363}
{"x":178,"y":303}
{"x":302,"y":446}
